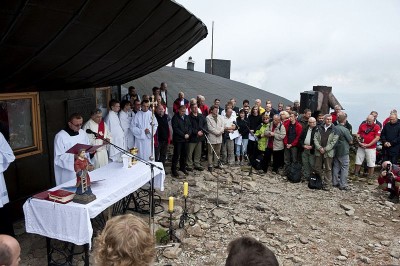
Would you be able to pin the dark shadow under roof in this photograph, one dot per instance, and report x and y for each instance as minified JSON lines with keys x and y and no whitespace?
{"x":193,"y":83}
{"x":52,"y":45}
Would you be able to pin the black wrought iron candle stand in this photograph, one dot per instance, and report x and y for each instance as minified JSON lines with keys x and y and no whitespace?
{"x":171,"y":230}
{"x":186,"y":217}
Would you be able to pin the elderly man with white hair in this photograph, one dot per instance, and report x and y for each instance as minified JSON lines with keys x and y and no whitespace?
{"x":307,"y":143}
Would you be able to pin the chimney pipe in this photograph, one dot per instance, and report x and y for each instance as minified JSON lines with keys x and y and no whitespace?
{"x":190,"y":64}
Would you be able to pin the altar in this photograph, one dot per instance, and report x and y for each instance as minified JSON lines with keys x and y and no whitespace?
{"x":71,"y":222}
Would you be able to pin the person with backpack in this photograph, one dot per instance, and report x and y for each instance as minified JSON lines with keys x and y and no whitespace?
{"x":325,"y":139}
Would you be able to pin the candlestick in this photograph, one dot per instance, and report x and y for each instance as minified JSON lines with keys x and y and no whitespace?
{"x":185,"y":189}
{"x":171,"y":204}
{"x":186,"y":216}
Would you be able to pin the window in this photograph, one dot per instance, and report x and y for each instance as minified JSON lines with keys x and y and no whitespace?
{"x":20,"y":122}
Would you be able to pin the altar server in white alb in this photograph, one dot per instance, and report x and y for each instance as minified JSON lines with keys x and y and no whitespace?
{"x":117,"y":133}
{"x":97,"y":125}
{"x":125,"y":117}
{"x":64,"y":140}
{"x":141,"y":128}
{"x":6,"y":157}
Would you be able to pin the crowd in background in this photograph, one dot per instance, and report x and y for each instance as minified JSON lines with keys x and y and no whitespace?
{"x":275,"y":138}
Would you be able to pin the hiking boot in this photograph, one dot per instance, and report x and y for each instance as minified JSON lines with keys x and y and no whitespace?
{"x":326,"y":187}
{"x":199,"y":168}
{"x":184,"y":171}
{"x":190,"y":169}
{"x":395,"y":199}
{"x":210,"y":169}
{"x":353,"y":177}
{"x":175,"y":173}
{"x":345,"y":188}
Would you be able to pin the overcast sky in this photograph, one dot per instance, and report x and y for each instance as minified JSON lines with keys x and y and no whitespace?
{"x":286,"y":47}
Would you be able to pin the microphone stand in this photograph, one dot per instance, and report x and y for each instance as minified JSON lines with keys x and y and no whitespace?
{"x":148,"y":163}
{"x":221,"y":166}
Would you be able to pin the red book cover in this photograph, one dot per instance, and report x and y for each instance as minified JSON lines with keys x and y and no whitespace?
{"x":89,"y":148}
{"x":61,"y":196}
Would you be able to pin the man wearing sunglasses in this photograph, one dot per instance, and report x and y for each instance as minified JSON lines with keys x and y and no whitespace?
{"x":63,"y":141}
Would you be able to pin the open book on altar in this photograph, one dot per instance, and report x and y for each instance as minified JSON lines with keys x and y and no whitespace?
{"x":88,"y":148}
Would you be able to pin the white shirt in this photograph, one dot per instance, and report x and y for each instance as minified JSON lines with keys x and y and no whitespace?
{"x":6,"y":157}
{"x":142,"y":121}
{"x":117,"y":133}
{"x":64,"y":162}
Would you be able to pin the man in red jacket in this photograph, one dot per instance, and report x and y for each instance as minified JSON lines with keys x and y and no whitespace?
{"x":291,"y":140}
{"x":334,"y":114}
{"x":389,"y":180}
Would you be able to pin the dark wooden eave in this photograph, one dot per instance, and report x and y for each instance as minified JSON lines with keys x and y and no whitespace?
{"x":64,"y":44}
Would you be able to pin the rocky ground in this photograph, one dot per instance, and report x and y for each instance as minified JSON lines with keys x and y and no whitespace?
{"x":301,"y":226}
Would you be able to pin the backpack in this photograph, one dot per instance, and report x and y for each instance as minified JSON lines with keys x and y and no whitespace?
{"x":258,"y":162}
{"x":294,"y":173}
{"x":315,"y":181}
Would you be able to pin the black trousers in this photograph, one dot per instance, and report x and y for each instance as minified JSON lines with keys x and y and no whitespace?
{"x":179,"y":155}
{"x":161,"y":151}
{"x":252,"y":150}
{"x":278,"y":160}
{"x":6,"y":226}
{"x":267,"y":159}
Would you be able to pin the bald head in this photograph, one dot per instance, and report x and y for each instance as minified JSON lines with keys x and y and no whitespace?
{"x":9,"y":251}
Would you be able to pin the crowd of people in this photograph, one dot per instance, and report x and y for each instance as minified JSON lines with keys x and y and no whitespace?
{"x":255,"y":134}
{"x":222,"y":135}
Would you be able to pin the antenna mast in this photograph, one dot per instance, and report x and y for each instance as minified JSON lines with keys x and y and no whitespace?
{"x":212,"y":47}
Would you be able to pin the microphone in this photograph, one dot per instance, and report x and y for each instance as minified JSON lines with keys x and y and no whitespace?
{"x":89,"y":131}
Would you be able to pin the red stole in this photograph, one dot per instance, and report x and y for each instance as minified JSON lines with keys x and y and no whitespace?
{"x":100,"y":131}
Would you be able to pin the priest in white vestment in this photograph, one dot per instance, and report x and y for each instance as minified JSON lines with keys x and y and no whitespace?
{"x":6,"y":157}
{"x":125,"y":117}
{"x":64,"y":140}
{"x":117,"y":133}
{"x":141,"y":128}
{"x":97,"y":125}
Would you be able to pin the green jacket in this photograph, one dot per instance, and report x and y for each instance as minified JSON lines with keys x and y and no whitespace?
{"x":345,"y":138}
{"x":262,"y":139}
{"x":330,"y":145}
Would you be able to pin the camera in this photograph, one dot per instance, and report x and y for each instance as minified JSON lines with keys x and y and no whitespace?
{"x":388,"y":167}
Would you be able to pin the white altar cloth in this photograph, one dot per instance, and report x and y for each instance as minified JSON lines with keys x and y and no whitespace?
{"x":71,"y":222}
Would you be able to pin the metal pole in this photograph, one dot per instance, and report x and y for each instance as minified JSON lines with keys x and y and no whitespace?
{"x":212,"y":48}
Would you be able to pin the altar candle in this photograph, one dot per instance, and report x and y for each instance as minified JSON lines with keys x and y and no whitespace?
{"x":185,"y":189}
{"x":171,"y":204}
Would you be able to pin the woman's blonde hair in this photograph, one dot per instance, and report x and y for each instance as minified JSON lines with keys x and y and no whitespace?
{"x":125,"y":240}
